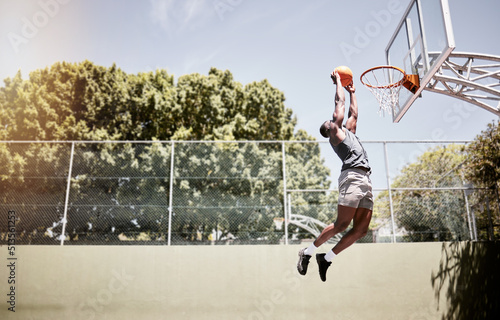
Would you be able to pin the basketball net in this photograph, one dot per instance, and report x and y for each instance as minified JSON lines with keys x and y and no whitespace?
{"x":384,"y":82}
{"x":278,"y":223}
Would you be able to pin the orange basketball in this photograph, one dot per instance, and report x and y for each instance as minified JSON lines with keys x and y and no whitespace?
{"x":345,"y":75}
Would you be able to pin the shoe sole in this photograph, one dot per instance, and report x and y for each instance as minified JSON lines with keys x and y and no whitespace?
{"x":299,"y":264}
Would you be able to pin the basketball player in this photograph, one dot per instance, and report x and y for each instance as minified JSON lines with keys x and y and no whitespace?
{"x":355,"y":188}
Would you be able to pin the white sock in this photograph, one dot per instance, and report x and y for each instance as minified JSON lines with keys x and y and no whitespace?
{"x":330,"y":255}
{"x":310,"y":250}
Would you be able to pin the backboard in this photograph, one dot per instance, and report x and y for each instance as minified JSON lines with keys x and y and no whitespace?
{"x":423,"y":40}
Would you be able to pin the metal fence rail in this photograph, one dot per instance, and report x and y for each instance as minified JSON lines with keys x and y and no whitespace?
{"x":214,"y":192}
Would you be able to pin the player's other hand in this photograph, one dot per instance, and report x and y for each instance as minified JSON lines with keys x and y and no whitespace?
{"x":350,"y":88}
{"x":335,"y":77}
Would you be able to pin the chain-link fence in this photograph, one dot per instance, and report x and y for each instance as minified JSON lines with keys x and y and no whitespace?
{"x":173,"y":193}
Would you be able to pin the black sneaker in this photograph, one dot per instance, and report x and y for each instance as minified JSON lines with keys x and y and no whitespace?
{"x":323,"y":265}
{"x":303,"y":262}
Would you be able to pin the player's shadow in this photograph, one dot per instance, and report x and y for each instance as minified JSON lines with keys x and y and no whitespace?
{"x":469,"y":278}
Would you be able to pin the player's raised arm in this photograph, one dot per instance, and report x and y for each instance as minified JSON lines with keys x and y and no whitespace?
{"x":352,"y":119}
{"x":338,"y":113}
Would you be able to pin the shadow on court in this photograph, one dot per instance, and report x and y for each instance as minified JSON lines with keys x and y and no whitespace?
{"x":469,"y":278}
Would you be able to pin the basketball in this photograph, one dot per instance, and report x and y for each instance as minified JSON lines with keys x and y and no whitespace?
{"x":345,"y":75}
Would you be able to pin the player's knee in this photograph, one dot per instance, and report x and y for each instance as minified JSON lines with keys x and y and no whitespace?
{"x":342,"y":225}
{"x":361,"y":232}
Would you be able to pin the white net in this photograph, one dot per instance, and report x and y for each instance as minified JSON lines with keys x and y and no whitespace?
{"x":385,"y":83}
{"x":278,"y":223}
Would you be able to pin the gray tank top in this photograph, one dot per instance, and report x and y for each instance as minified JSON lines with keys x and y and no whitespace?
{"x":351,"y":152}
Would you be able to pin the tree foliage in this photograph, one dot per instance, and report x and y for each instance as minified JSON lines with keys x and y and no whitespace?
{"x":425,"y":212}
{"x":483,"y":157}
{"x":483,"y":170}
{"x":124,"y":187}
{"x":439,"y":214}
{"x":82,"y":101}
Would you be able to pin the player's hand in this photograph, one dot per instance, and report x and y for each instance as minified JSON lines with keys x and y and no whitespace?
{"x":350,"y":88}
{"x":335,"y":77}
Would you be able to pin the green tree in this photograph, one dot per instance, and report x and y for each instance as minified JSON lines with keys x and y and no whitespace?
{"x":124,"y":187}
{"x":483,"y":170}
{"x":426,"y":213}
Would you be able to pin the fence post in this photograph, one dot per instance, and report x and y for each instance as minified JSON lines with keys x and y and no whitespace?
{"x":467,"y":206}
{"x":474,"y":227}
{"x":390,"y":192}
{"x":289,"y":213}
{"x":284,"y":192}
{"x":68,"y":186}
{"x":467,"y":210}
{"x":170,"y":200}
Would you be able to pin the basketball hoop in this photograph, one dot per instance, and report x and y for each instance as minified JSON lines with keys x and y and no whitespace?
{"x":385,"y":82}
{"x":278,"y":223}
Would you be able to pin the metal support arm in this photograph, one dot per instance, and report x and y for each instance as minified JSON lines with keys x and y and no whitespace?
{"x":470,"y":77}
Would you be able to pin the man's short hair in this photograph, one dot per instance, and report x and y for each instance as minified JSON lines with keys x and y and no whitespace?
{"x":323,"y":129}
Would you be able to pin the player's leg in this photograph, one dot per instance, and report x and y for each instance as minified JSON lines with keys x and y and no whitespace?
{"x":362,"y":219}
{"x":344,"y":218}
{"x":345,"y":215}
{"x":356,"y":192}
{"x":362,"y":216}
{"x":348,"y":202}
{"x":352,"y":194}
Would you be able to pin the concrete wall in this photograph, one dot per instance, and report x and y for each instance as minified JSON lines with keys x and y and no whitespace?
{"x":367,"y":281}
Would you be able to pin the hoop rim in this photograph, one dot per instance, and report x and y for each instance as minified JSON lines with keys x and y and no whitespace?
{"x":390,"y":85}
{"x":278,"y":222}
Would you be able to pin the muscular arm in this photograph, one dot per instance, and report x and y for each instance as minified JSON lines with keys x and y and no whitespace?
{"x":338,"y":113}
{"x":335,"y":130}
{"x":352,"y":119}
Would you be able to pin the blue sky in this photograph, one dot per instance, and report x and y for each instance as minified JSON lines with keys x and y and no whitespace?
{"x":294,"y":44}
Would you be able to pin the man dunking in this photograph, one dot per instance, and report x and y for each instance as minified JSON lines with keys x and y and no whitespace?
{"x":355,"y":188}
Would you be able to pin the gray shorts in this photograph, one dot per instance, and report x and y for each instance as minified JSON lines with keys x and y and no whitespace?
{"x":355,"y":189}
